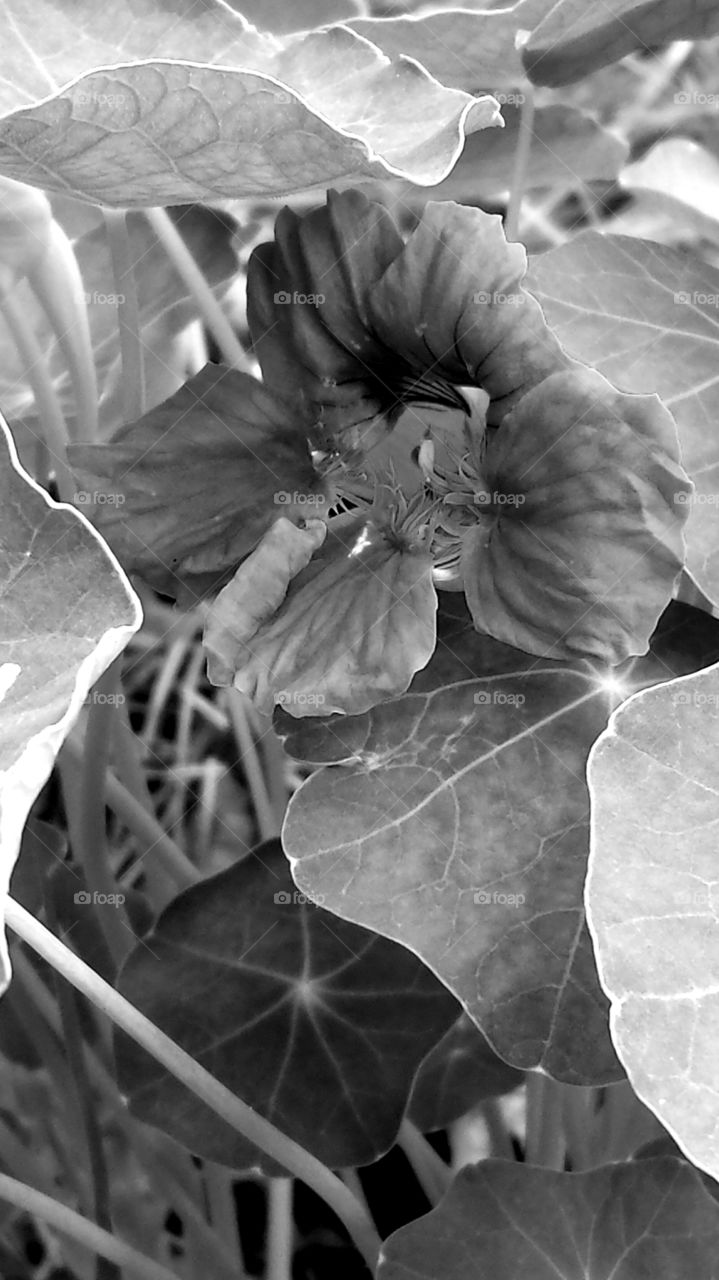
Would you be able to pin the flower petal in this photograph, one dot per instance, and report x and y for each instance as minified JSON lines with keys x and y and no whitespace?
{"x":580,"y":549}
{"x":390,"y":323}
{"x":184,"y":493}
{"x":256,"y":592}
{"x":307,"y":308}
{"x":355,"y":626}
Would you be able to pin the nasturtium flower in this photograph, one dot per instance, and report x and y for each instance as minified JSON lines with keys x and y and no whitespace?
{"x":552,"y":500}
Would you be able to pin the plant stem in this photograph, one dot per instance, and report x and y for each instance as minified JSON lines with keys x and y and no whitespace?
{"x":268,"y":821}
{"x":75,"y":1050}
{"x":521,"y":164}
{"x":578,"y":1124}
{"x":545,"y":1136}
{"x":128,"y":315}
{"x":59,"y":286}
{"x":231,"y":349}
{"x":432,"y":1174}
{"x":86,"y":812}
{"x":81,"y":1230}
{"x":48,"y":405}
{"x":223,"y":1213}
{"x":280,"y":1229}
{"x":215,"y":1095}
{"x":144,"y":826}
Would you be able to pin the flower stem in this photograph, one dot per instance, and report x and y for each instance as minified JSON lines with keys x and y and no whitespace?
{"x":48,"y":405}
{"x":128,"y":315}
{"x":521,"y":164}
{"x":432,"y":1174}
{"x":194,"y":1077}
{"x":279,"y":1232}
{"x":231,"y":349}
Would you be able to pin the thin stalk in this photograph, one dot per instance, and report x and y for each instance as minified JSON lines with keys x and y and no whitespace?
{"x":59,"y":286}
{"x":268,"y":821}
{"x":131,"y":775}
{"x":86,"y":818}
{"x":577,"y":1118}
{"x":81,"y":1230}
{"x":231,"y":349}
{"x":146,"y":828}
{"x":500,"y":1139}
{"x":74,"y":1048}
{"x":128,"y":315}
{"x":521,"y":164}
{"x":545,"y":1135}
{"x":280,"y":1229}
{"x":194,"y":1077}
{"x":432,"y":1174}
{"x":223,"y":1212}
{"x":46,"y":400}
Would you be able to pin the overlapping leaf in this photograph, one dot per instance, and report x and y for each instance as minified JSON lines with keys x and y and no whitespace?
{"x":317,"y":1024}
{"x":170,"y":101}
{"x":576,"y":38}
{"x":66,"y":612}
{"x":648,"y":318}
{"x":460,"y":1071}
{"x":468,"y":47}
{"x":476,"y":789}
{"x":653,"y":901}
{"x":620,"y":1222}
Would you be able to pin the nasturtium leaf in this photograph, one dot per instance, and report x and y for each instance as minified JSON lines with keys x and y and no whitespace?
{"x":280,"y":17}
{"x":184,"y":493}
{"x":466,"y":47}
{"x":653,"y":903}
{"x":628,"y":1221}
{"x":647,"y":317}
{"x":458,"y":827}
{"x":682,"y":175}
{"x":66,"y":612}
{"x":567,"y":145}
{"x":576,"y":38}
{"x":168,"y":101}
{"x":458,"y":1073}
{"x":318,"y":1025}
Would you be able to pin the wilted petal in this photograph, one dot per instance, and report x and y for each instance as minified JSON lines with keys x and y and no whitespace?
{"x":579,"y":550}
{"x":256,"y":593}
{"x":355,"y":626}
{"x":184,"y":493}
